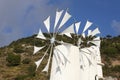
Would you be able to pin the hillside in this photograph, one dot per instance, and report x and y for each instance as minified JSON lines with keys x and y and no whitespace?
{"x":17,"y":59}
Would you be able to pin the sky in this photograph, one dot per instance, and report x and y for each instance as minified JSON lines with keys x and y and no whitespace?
{"x":23,"y":18}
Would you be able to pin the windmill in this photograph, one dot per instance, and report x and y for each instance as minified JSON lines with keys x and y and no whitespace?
{"x":70,"y":62}
{"x":90,"y":58}
{"x":58,"y":54}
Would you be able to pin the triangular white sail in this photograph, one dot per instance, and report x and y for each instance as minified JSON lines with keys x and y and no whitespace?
{"x":48,"y":63}
{"x":77,"y":26}
{"x":40,"y":35}
{"x":69,"y":30}
{"x":89,"y":32}
{"x":46,"y":67}
{"x":66,"y":17}
{"x":96,"y":39}
{"x":36,"y":49}
{"x":95,"y":32}
{"x":68,"y":34}
{"x":88,"y":24}
{"x":38,"y":63}
{"x":40,"y":60}
{"x":58,"y":15}
{"x":47,"y":24}
{"x":83,"y":35}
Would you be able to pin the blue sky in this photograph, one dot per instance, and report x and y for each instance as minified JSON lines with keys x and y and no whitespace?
{"x":22,"y":18}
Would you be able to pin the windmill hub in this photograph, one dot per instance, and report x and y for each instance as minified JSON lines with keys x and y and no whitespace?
{"x":52,"y":40}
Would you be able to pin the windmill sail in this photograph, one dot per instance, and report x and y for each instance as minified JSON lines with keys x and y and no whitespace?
{"x":38,"y":63}
{"x":46,"y":67}
{"x":69,"y":30}
{"x":95,"y":32}
{"x":89,"y":32}
{"x":48,"y":64}
{"x":58,"y":15}
{"x":36,"y":49}
{"x":88,"y":24}
{"x":68,"y":34}
{"x":40,"y":60}
{"x":83,"y":35}
{"x":40,"y":35}
{"x":96,"y":41}
{"x":77,"y":26}
{"x":47,"y":23}
{"x":66,"y":17}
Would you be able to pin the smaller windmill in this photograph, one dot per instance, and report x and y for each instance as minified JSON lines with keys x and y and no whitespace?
{"x":69,"y":61}
{"x":90,"y":58}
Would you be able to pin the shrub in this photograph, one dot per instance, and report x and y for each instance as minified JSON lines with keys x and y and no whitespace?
{"x":21,"y":77}
{"x":110,"y":51}
{"x":31,"y":70}
{"x":26,"y":61}
{"x":18,"y":49}
{"x":13,"y":60}
{"x":118,"y":46}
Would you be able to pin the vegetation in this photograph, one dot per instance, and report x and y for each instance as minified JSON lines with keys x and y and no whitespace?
{"x":26,"y":61}
{"x":13,"y":60}
{"x":18,"y":49}
{"x":110,"y":50}
{"x":20,"y":61}
{"x":31,"y":70}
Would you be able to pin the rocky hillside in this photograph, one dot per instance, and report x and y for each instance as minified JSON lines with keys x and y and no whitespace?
{"x":17,"y":59}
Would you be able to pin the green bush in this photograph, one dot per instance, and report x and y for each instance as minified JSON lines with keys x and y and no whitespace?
{"x":118,"y":46}
{"x":21,"y":77}
{"x":110,"y":51}
{"x":13,"y":60}
{"x":26,"y":61}
{"x":31,"y":70}
{"x":18,"y":49}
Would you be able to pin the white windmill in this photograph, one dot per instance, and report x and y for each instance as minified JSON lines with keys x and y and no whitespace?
{"x":70,"y":62}
{"x":60,"y":55}
{"x":90,"y":59}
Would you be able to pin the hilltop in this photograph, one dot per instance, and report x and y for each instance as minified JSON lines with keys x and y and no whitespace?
{"x":17,"y":59}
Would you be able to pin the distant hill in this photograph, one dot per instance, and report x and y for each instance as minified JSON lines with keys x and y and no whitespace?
{"x":17,"y":59}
